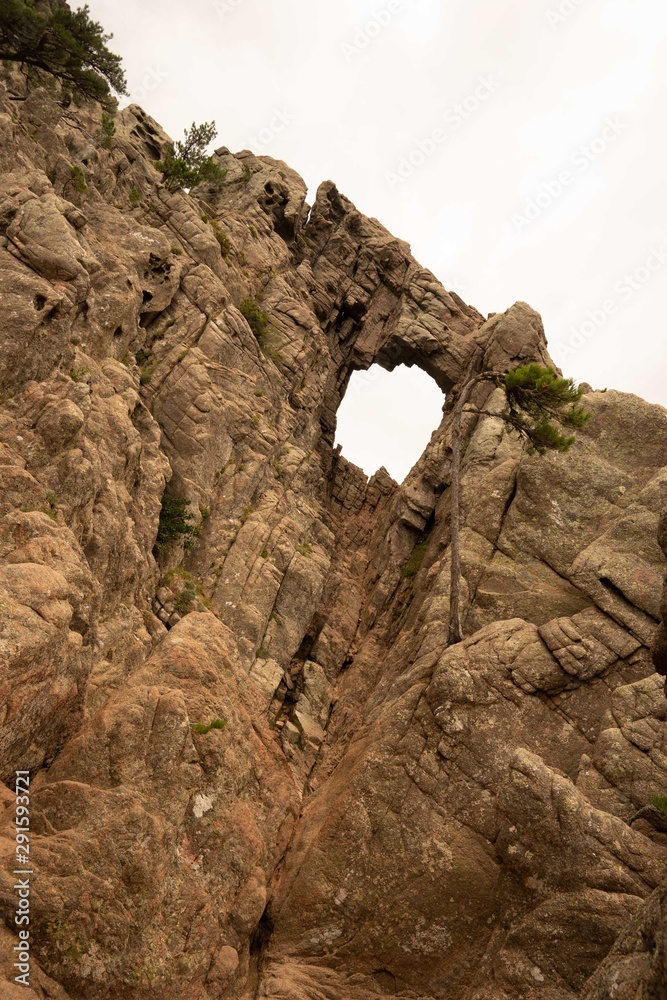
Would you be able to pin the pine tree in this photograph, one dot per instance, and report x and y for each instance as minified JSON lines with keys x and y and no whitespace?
{"x":537,"y":400}
{"x":186,"y":164}
{"x":64,"y":43}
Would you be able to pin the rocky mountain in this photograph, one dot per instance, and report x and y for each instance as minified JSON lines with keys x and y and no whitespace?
{"x":257,"y":768}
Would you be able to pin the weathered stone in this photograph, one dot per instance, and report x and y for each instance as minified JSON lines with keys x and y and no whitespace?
{"x":258,"y":769}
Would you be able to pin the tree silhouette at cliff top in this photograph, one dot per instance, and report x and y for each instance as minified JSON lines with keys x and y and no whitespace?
{"x":65,"y":43}
{"x":536,"y":402}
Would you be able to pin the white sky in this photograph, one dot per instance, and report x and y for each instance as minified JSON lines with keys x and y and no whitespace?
{"x":344,"y":89}
{"x":387,"y":419}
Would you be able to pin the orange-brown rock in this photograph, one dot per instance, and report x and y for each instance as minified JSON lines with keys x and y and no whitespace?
{"x":258,"y":770}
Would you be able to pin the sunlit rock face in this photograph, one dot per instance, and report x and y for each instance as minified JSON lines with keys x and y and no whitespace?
{"x":257,"y":768}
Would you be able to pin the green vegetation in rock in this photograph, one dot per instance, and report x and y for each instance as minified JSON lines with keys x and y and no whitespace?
{"x":247,"y":511}
{"x":108,"y":129}
{"x":187,"y":164}
{"x":202,"y":729}
{"x":660,"y":802}
{"x":185,"y":588}
{"x":78,"y":176}
{"x":175,"y":521}
{"x":142,"y":358}
{"x":185,"y":599}
{"x":413,"y":564}
{"x":537,"y":401}
{"x":223,"y":240}
{"x":65,"y":43}
{"x":539,"y":405}
{"x":257,"y":319}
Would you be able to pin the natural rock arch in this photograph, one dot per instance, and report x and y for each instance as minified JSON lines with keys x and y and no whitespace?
{"x":387,"y":419}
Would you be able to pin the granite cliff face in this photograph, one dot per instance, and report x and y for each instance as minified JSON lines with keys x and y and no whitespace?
{"x":381,"y":815}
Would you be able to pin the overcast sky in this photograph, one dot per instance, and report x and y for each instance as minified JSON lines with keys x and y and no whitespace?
{"x":517,"y":145}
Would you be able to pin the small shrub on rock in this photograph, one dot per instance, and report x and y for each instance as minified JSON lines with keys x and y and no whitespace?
{"x":202,"y":729}
{"x":224,"y":242}
{"x":413,"y":564}
{"x":108,"y":130}
{"x":257,"y":319}
{"x":186,"y":164}
{"x":79,"y":178}
{"x":660,"y":802}
{"x":184,"y":601}
{"x":175,"y":521}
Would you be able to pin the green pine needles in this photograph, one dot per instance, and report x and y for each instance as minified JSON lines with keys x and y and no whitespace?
{"x":65,"y":43}
{"x":186,"y":164}
{"x":536,"y":397}
{"x":175,"y":521}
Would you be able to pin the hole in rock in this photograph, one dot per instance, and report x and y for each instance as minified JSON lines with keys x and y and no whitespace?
{"x":386,"y":981}
{"x":146,"y":319}
{"x":387,"y":418}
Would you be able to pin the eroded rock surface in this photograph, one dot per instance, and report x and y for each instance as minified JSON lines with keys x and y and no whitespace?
{"x":257,"y":768}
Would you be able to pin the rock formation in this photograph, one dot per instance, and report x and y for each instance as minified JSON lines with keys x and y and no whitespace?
{"x":371,"y":814}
